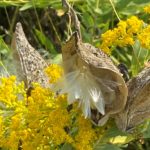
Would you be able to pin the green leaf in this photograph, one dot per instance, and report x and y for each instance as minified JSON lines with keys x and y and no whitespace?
{"x":114,"y":136}
{"x":46,"y":42}
{"x":67,"y":146}
{"x":26,"y":6}
{"x":139,"y":56}
{"x":57,"y":59}
{"x":111,"y":133}
{"x":146,"y":129}
{"x":3,"y":45}
{"x":107,"y":147}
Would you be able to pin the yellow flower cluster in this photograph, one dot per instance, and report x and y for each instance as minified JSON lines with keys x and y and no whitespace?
{"x":40,"y":120}
{"x":147,"y":9}
{"x":54,"y":72}
{"x":86,"y":134}
{"x":12,"y":96}
{"x":123,"y":35}
{"x":10,"y":92}
{"x":144,"y":37}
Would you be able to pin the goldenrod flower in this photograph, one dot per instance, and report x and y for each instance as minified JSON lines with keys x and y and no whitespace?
{"x":41,"y":120}
{"x":147,"y":9}
{"x":54,"y":72}
{"x":86,"y":135}
{"x":125,"y":34}
{"x":108,"y":39}
{"x":144,"y":37}
{"x":134,"y":25}
{"x":122,"y":29}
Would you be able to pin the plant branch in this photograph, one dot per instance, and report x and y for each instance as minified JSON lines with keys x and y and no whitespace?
{"x":74,"y":16}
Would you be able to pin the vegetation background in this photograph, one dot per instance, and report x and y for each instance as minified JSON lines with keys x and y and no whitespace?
{"x":46,"y":25}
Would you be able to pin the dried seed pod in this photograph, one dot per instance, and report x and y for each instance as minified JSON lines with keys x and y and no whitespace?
{"x":30,"y":63}
{"x":92,"y":78}
{"x":137,"y":108}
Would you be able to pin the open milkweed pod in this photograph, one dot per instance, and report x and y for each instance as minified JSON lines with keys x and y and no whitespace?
{"x":92,"y":79}
{"x":137,"y":108}
{"x":30,"y":64}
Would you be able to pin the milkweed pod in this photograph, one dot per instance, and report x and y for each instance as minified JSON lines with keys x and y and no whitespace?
{"x":30,"y":64}
{"x":92,"y":79}
{"x":137,"y":108}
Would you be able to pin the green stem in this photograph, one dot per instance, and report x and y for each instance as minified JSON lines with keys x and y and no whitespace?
{"x":14,"y":19}
{"x":53,"y":26}
{"x":114,"y":10}
{"x":36,"y":14}
{"x":1,"y":63}
{"x":7,"y":16}
{"x":97,"y":3}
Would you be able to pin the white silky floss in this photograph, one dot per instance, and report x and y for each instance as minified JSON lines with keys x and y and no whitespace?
{"x":80,"y":86}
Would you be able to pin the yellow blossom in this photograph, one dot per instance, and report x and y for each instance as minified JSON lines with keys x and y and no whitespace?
{"x":12,"y":141}
{"x":144,"y":37}
{"x":123,"y":35}
{"x":13,"y":93}
{"x":121,"y":30}
{"x":124,"y":41}
{"x":105,"y":48}
{"x":147,"y":9}
{"x":108,"y":39}
{"x":86,"y":135}
{"x":59,"y":135}
{"x":16,"y":121}
{"x":134,"y":25}
{"x":2,"y":130}
{"x":41,"y":120}
{"x":54,"y":72}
